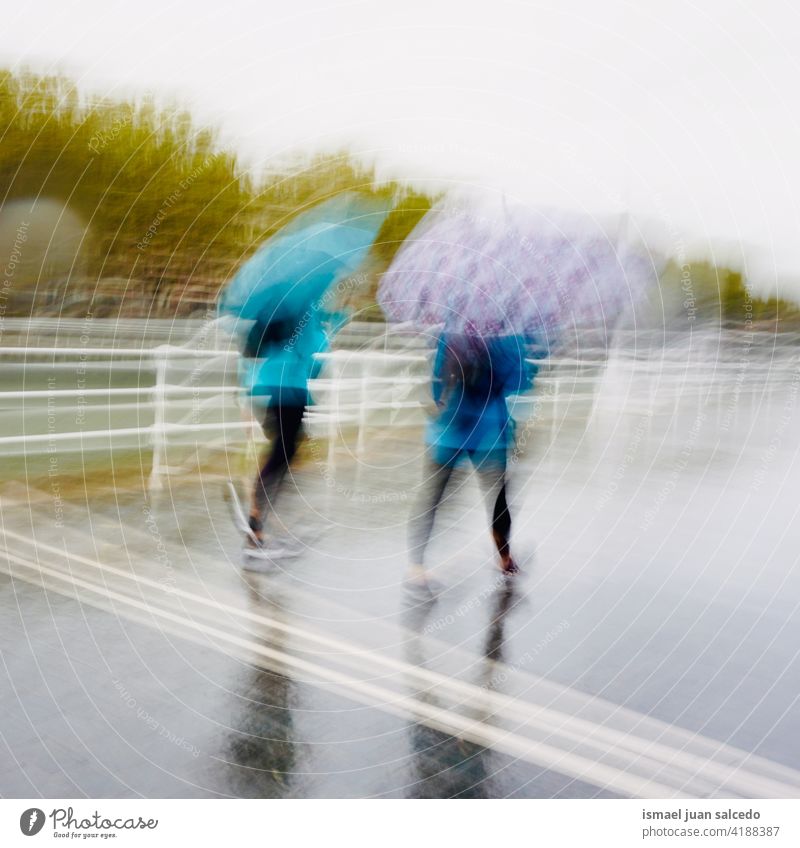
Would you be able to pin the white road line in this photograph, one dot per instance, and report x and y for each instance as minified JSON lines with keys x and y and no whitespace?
{"x":546,"y":720}
{"x":482,"y":734}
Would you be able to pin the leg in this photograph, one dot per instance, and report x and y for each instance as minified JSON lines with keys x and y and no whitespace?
{"x":491,"y":471}
{"x":501,"y":528}
{"x":287,"y":422}
{"x":437,"y":475}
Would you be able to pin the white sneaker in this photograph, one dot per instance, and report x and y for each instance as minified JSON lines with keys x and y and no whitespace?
{"x":260,"y":557}
{"x":422,"y":587}
{"x":237,"y":513}
{"x":279,"y":546}
{"x":291,"y":545}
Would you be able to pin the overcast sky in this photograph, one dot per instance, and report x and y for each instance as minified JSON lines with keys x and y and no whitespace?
{"x":683,"y":112}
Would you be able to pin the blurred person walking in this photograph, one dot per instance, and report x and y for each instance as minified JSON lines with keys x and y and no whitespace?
{"x":472,"y":380}
{"x":278,"y":300}
{"x":278,"y":360}
{"x":496,"y":277}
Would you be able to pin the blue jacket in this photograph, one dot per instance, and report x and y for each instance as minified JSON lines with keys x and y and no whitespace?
{"x":471,"y":382}
{"x":279,"y":374}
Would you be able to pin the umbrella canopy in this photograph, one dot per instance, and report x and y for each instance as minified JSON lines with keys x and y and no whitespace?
{"x":297,"y":266}
{"x":478,"y":271}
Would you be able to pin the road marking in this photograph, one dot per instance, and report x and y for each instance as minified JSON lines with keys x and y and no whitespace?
{"x":538,"y":753}
{"x":543,"y":719}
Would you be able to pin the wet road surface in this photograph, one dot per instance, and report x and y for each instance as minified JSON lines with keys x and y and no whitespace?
{"x":650,"y":647}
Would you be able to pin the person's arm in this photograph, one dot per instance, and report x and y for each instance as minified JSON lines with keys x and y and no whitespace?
{"x":515,"y":371}
{"x":318,"y":342}
{"x":437,"y":378}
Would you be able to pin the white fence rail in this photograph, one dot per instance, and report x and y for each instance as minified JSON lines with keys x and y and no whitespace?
{"x":358,"y":388}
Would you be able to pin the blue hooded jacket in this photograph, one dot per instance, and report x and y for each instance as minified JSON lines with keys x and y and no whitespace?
{"x":472,"y":378}
{"x":279,"y":359}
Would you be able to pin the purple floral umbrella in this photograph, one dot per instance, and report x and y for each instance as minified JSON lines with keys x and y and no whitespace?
{"x":514,"y":273}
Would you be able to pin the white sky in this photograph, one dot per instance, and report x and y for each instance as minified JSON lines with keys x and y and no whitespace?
{"x":683,"y":112}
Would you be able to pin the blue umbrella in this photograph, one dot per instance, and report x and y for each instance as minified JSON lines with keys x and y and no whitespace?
{"x":295,"y":268}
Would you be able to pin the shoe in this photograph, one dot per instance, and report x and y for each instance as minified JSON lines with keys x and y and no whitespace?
{"x":237,"y":513}
{"x":260,"y":556}
{"x":291,"y":545}
{"x":422,"y":590}
{"x":508,"y":568}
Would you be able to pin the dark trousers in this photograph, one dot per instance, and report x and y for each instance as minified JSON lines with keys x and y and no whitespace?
{"x":283,"y":425}
{"x":492,"y":477}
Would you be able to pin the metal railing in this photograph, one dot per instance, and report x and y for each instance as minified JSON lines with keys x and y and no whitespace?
{"x":357,"y":389}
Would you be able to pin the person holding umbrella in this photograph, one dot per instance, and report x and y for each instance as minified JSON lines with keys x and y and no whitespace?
{"x":472,"y":379}
{"x":503,"y":281}
{"x":278,"y":360}
{"x":277,"y":299}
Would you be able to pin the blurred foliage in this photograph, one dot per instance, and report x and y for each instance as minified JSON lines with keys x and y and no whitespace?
{"x":158,"y":196}
{"x":169,"y":213}
{"x":701,"y":292}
